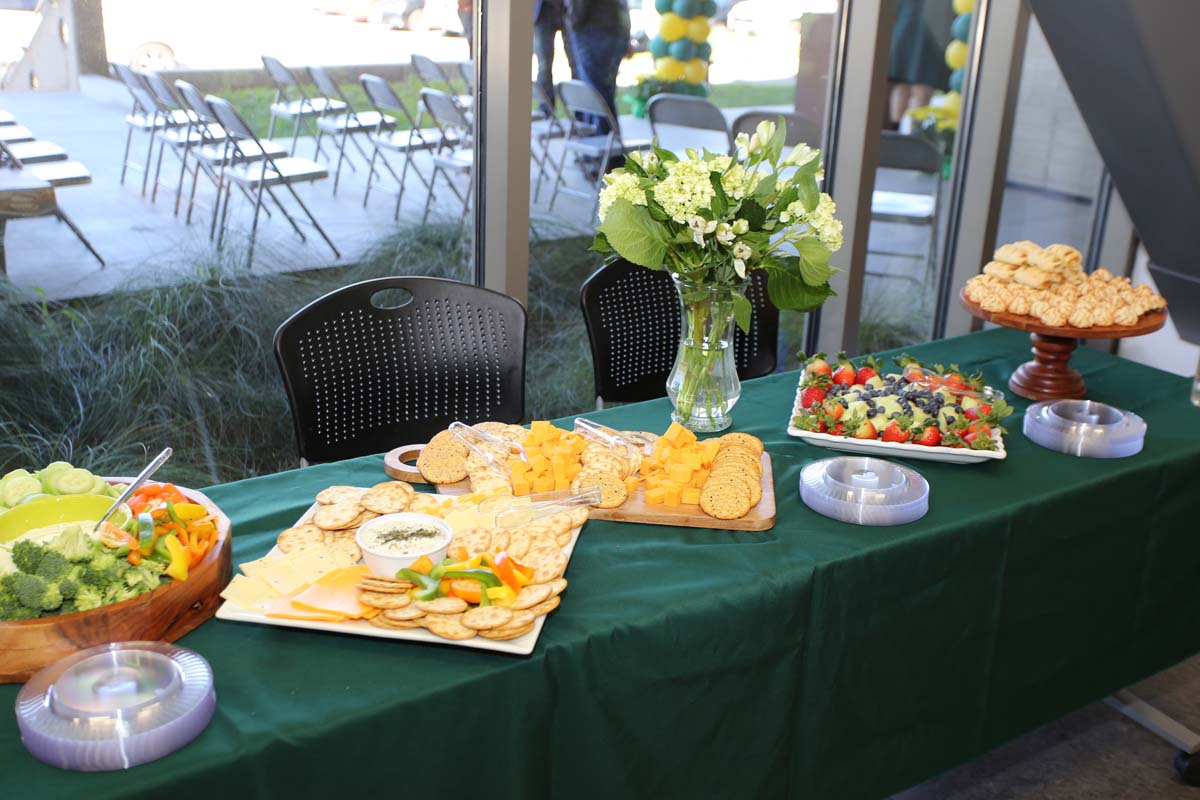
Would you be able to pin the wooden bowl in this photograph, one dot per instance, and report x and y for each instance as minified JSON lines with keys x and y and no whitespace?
{"x":165,"y":614}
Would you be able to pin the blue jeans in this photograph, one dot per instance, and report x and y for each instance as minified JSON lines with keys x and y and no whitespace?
{"x":549,"y":23}
{"x":598,"y":55}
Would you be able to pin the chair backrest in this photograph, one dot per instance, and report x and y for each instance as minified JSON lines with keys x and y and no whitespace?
{"x":194,"y":99}
{"x":428,"y":70}
{"x":632,"y":316}
{"x":685,"y":111}
{"x":799,"y":127}
{"x":326,"y":85}
{"x":363,"y":375}
{"x":467,"y":70}
{"x":229,"y":118}
{"x":579,"y":97}
{"x":136,"y":84}
{"x":282,"y":77}
{"x":166,"y":97}
{"x":910,"y":152}
{"x":544,"y":100}
{"x":447,"y":115}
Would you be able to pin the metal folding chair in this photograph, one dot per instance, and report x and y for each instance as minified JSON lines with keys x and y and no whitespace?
{"x":544,"y":128}
{"x":433,"y":76}
{"x":452,"y":121}
{"x":909,"y":153}
{"x":11,"y":134}
{"x":581,"y":98}
{"x":57,"y":173}
{"x":179,"y":139}
{"x":304,"y":108}
{"x":262,"y":175}
{"x":7,"y":118}
{"x":668,"y":111}
{"x":394,"y":139}
{"x":145,"y":116}
{"x":341,"y":127}
{"x":799,"y":127}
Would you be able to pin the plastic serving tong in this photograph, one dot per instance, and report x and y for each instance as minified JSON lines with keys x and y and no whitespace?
{"x":634,"y":443}
{"x":478,"y":443}
{"x":514,"y":512}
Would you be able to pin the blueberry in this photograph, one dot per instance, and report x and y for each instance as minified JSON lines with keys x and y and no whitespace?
{"x":871,"y":412}
{"x":949,"y":419}
{"x":895,"y":415}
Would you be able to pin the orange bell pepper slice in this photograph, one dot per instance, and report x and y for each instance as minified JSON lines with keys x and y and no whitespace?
{"x":502,"y":565}
{"x":467,"y":589}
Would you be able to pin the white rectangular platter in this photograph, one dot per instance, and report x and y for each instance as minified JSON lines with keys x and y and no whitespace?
{"x":521,"y":646}
{"x":881,"y":449}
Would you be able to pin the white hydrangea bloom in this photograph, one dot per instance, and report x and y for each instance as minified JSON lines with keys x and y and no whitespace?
{"x":685,"y":190}
{"x":822,"y":221}
{"x":701,"y":226}
{"x":620,"y":186}
{"x":801,"y":154}
{"x":741,"y":226}
{"x":742,"y":143}
{"x":725,"y":233}
{"x":739,"y":181}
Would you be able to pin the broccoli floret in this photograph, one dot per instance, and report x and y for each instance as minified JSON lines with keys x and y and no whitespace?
{"x":68,"y":607}
{"x":75,"y":545}
{"x":120,"y":591}
{"x":33,"y":592}
{"x":104,"y":569}
{"x":103,"y":561}
{"x":27,"y":555}
{"x":53,"y":566}
{"x":145,"y":576}
{"x":68,"y":588}
{"x":11,"y":609}
{"x":87,"y":598}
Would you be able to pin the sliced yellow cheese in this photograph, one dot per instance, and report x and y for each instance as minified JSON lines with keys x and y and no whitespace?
{"x":248,"y":592}
{"x":309,"y":564}
{"x":282,"y":608}
{"x":335,"y":593}
{"x":276,"y":573}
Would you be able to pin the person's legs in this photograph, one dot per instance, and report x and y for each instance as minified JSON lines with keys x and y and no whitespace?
{"x":543,"y":47}
{"x":899,"y":102}
{"x":598,"y":55}
{"x":920,"y":95}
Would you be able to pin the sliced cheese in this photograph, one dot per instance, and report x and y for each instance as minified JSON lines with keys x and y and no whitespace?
{"x":249,"y":592}
{"x":276,"y":573}
{"x":309,"y":564}
{"x":282,"y":608}
{"x":335,"y":593}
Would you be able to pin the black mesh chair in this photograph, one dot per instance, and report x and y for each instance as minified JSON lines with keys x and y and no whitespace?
{"x":392,"y":361}
{"x":633,"y":320}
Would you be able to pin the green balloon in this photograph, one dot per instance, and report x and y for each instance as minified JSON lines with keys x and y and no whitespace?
{"x":956,"y":80}
{"x":682,"y":49}
{"x":686,"y":8}
{"x":659,"y":47}
{"x":961,"y":28}
{"x":708,"y":8}
{"x":663,"y":6}
{"x":704,"y":51}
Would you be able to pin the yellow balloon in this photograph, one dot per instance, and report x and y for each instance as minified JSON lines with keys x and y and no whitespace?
{"x":697,"y":29}
{"x":668,"y":69}
{"x":956,"y":55}
{"x":952,"y":102}
{"x":963,"y":6}
{"x":695,"y":71}
{"x":672,"y":27}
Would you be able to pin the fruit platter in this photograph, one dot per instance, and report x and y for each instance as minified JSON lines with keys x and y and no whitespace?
{"x":933,"y":413}
{"x":152,"y":572}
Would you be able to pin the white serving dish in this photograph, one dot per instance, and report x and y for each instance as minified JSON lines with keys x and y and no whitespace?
{"x":522,"y":645}
{"x":388,"y":566}
{"x":881,"y":449}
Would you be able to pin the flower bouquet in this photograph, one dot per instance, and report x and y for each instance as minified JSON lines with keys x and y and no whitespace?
{"x":709,"y":219}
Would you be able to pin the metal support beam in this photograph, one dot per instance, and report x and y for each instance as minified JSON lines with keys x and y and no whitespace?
{"x":1112,"y":243}
{"x":981,"y":153}
{"x":858,"y":96}
{"x":504,"y":48}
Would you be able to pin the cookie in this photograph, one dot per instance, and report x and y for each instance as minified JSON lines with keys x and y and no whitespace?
{"x":531,"y":595}
{"x":482,"y":618}
{"x":443,"y":605}
{"x":387,"y":498}
{"x":339,"y":494}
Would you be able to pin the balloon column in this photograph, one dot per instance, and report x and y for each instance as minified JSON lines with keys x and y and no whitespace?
{"x":956,"y":51}
{"x":681,"y":50}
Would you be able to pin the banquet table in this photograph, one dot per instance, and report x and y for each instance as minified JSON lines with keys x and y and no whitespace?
{"x":817,"y":659}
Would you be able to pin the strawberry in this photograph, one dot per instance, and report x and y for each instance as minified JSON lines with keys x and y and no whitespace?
{"x":910,"y":368}
{"x":833,"y":409}
{"x":869,"y":370}
{"x":817,"y":365}
{"x":865,"y":431}
{"x":845,"y":372}
{"x":897,"y":430}
{"x":839,"y":429}
{"x":812,"y":396}
{"x":930,"y":437}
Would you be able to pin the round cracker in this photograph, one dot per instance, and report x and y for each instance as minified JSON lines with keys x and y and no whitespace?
{"x":383,"y":600}
{"x":424,"y":503}
{"x":500,"y":540}
{"x":531,"y":595}
{"x":337,"y":516}
{"x":744,"y":439}
{"x":724,"y":500}
{"x":447,"y":626}
{"x":380,"y":621}
{"x":405,"y":614}
{"x":545,"y":607}
{"x":564,"y":539}
{"x":368,"y":585}
{"x":388,"y":498}
{"x":579,"y":515}
{"x":443,"y":605}
{"x":548,"y":563}
{"x":613,"y":491}
{"x":519,"y":542}
{"x":559,"y":523}
{"x":339,"y":494}
{"x":482,"y":618}
{"x":558,"y":586}
{"x":506,"y":633}
{"x":299,"y":537}
{"x":471,"y":541}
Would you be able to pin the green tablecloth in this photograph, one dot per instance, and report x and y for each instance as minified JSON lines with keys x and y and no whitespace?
{"x":818,"y":659}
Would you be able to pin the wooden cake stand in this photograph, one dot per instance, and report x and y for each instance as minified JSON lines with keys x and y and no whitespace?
{"x":1050,"y":376}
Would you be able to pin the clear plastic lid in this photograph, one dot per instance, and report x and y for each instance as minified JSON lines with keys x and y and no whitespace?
{"x":864,"y":491}
{"x":1085,"y":428}
{"x":115,"y":706}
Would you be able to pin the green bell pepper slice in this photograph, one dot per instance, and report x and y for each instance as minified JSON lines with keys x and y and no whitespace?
{"x":428,"y":587}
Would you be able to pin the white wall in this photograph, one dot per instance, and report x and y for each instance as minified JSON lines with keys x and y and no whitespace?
{"x":1163,"y":349}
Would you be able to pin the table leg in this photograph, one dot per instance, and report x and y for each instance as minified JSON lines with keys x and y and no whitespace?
{"x":3,"y":263}
{"x":1049,"y":376}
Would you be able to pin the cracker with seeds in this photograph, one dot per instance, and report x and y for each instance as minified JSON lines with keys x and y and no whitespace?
{"x":443,"y":460}
{"x":746,"y":440}
{"x":724,"y":500}
{"x":613,"y":491}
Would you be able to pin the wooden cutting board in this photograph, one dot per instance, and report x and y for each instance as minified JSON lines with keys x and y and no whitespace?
{"x":761,"y":517}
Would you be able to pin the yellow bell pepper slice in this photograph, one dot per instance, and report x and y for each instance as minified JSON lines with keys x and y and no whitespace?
{"x":501,"y":595}
{"x":190,"y":511}
{"x":178,"y":568}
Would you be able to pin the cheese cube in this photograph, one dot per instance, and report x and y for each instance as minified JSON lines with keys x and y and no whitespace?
{"x":672,"y":494}
{"x":690,"y":496}
{"x":655,"y":496}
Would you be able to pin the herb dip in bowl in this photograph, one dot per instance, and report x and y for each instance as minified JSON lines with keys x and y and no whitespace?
{"x":394,"y":541}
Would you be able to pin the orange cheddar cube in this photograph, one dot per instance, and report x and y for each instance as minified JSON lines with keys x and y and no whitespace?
{"x":680,"y":473}
{"x":654,"y":497}
{"x":672,"y":494}
{"x":544,"y":484}
{"x":520,"y":486}
{"x":562,"y":483}
{"x":699,"y":477}
{"x":631,"y":485}
{"x":692,"y":458}
{"x":690,"y":496}
{"x":711,"y":447}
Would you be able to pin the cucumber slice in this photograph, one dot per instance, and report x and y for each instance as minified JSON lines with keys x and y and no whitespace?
{"x":46,"y":473}
{"x":18,"y":488}
{"x":115,"y":489}
{"x":30,"y":497}
{"x":73,"y":481}
{"x":99,"y":486}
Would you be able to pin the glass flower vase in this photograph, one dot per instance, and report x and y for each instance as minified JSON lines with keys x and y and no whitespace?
{"x":703,"y":384}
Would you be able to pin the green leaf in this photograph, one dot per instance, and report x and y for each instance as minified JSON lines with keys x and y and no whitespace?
{"x":600,"y":244}
{"x":634,"y":234}
{"x":766,"y":186}
{"x":720,"y":203}
{"x":808,"y":192}
{"x":664,"y":156}
{"x":632,"y":166}
{"x":742,"y":311}
{"x":814,"y":261}
{"x":776,"y":145}
{"x":657,"y":212}
{"x":789,"y":291}
{"x":753,"y":213}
